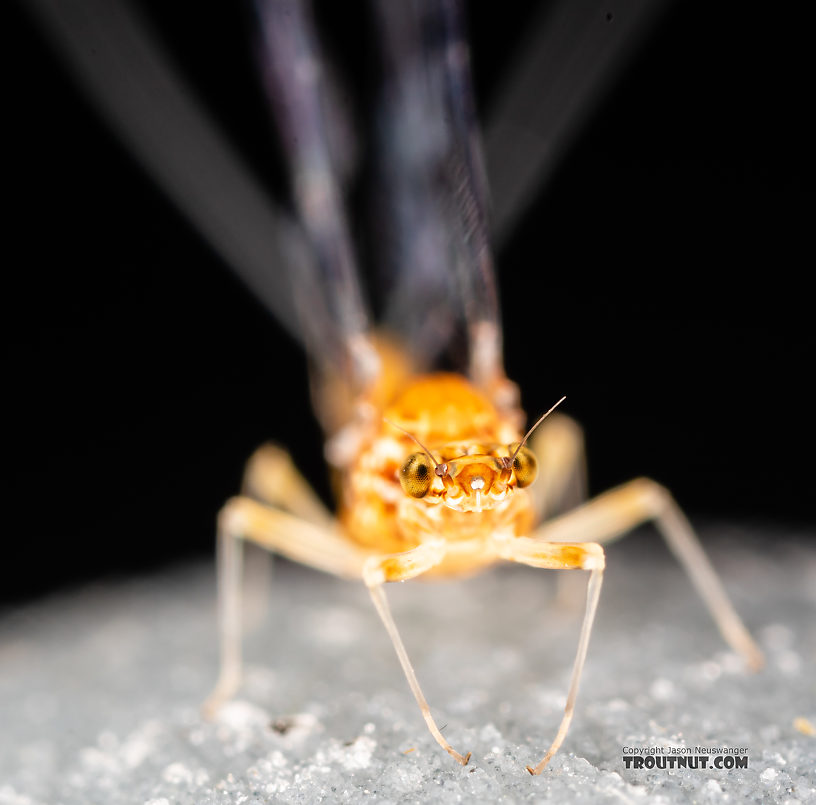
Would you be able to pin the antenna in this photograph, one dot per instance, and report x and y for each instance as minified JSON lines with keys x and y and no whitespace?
{"x":437,"y":465}
{"x":530,"y":432}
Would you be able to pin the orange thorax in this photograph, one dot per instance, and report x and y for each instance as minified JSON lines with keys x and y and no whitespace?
{"x":464,"y":432}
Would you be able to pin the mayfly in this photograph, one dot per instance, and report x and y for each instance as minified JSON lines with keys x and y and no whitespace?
{"x":435,"y":471}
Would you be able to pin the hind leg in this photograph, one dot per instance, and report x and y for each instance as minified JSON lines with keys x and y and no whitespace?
{"x":615,"y":513}
{"x":561,"y":485}
{"x":558,"y":444}
{"x":602,"y":520}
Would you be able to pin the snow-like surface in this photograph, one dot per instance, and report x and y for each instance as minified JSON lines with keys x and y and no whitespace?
{"x":100,"y":690}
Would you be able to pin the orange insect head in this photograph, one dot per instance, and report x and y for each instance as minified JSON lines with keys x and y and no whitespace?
{"x":476,"y":482}
{"x":466,"y":476}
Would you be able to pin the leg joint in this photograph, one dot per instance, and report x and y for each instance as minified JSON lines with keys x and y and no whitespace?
{"x":655,"y":497}
{"x":595,"y":558}
{"x":232,"y":519}
{"x":373,"y":572}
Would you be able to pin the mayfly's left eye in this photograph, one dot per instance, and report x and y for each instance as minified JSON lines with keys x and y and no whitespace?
{"x":416,"y":475}
{"x":525,"y":466}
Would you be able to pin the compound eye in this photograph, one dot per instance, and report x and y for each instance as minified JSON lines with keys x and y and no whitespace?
{"x":525,"y":466}
{"x":416,"y":475}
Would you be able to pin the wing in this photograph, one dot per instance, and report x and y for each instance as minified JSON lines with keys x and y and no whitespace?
{"x":333,"y":316}
{"x":574,"y":51}
{"x":122,"y":67}
{"x":434,"y":214}
{"x":432,"y":198}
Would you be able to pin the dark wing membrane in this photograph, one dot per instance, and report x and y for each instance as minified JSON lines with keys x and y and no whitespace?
{"x":435,"y":210}
{"x":412,"y":246}
{"x":433,"y":203}
{"x":468,"y":182}
{"x":334,"y":318}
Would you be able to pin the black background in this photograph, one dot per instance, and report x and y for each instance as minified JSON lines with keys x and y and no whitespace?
{"x":660,"y":281}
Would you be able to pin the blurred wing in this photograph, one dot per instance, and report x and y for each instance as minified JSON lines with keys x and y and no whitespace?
{"x":333,"y":315}
{"x":575,"y":50}
{"x":467,"y":178}
{"x":121,"y":66}
{"x":437,"y":203}
{"x":433,"y":202}
{"x":302,"y":272}
{"x":436,"y":215}
{"x":411,"y":139}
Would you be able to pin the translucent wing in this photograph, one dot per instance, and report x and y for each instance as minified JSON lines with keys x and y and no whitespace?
{"x":333,"y":316}
{"x":435,"y":215}
{"x":124,"y":70}
{"x":411,"y":138}
{"x":468,"y":182}
{"x":574,"y":50}
{"x":433,"y":196}
{"x":302,"y":270}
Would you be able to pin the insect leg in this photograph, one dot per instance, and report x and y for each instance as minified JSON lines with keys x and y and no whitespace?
{"x":271,"y":477}
{"x":582,"y":556}
{"x":558,"y":444}
{"x":608,"y":517}
{"x":614,"y":513}
{"x":229,"y":571}
{"x":244,"y":519}
{"x":399,"y":567}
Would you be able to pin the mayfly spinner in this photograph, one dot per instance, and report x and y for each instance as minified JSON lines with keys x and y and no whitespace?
{"x":435,"y":473}
{"x":435,"y":476}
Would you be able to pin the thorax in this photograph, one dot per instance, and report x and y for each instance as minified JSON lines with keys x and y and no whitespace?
{"x":461,"y":429}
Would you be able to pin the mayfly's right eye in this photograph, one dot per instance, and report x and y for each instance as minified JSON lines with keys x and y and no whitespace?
{"x":525,"y":465}
{"x":416,"y":475}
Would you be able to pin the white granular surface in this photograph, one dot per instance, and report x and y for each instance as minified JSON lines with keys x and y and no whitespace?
{"x":99,"y":690}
